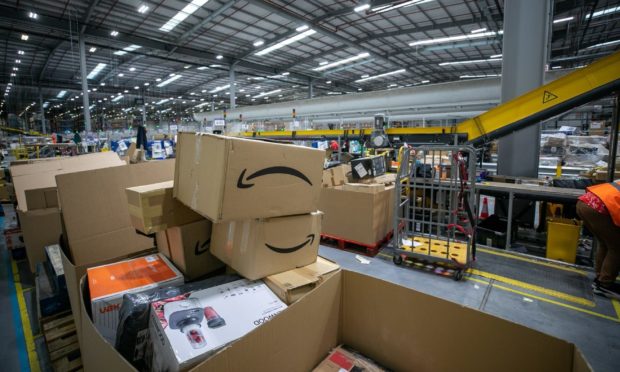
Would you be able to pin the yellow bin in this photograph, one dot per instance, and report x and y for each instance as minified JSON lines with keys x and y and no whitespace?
{"x":563,"y":239}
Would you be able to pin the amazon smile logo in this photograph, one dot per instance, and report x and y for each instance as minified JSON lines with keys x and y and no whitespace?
{"x":200,"y":249}
{"x":308,"y":241}
{"x":242,"y":184}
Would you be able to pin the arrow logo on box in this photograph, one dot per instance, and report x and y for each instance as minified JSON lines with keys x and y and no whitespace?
{"x":309,"y":241}
{"x":267,"y":171}
{"x":200,"y":249}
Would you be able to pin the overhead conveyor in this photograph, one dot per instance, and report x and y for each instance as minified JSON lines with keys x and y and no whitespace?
{"x":597,"y":80}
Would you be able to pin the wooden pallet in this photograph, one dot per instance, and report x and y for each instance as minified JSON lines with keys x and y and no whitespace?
{"x":62,"y":343}
{"x":370,"y":250}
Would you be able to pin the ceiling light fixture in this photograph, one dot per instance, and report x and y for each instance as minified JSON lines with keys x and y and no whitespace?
{"x":219,"y":56}
{"x":361,"y":8}
{"x":386,"y":8}
{"x":285,"y":42}
{"x":478,"y":76}
{"x":188,"y":10}
{"x":341,"y":62}
{"x":604,"y":12}
{"x":495,"y":56}
{"x":258,"y":43}
{"x":18,"y":61}
{"x":202,"y":68}
{"x":606,"y":44}
{"x":161,"y":102}
{"x":92,"y":50}
{"x":117,"y":98}
{"x":478,"y":30}
{"x":455,"y":38}
{"x":381,"y":75}
{"x":561,"y":20}
{"x":24,"y":37}
{"x":473,"y":61}
{"x":130,"y":48}
{"x":114,"y":33}
{"x":168,"y":81}
{"x":61,"y":94}
{"x":219,"y":89}
{"x":96,"y":70}
{"x":20,"y":52}
{"x":143,"y":9}
{"x":33,"y":15}
{"x":132,"y":69}
{"x":264,"y":94}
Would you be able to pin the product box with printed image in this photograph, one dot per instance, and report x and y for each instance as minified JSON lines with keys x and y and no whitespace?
{"x":108,"y":283}
{"x":187,"y":329}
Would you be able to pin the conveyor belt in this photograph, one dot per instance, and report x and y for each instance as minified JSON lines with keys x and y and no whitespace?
{"x":574,"y":89}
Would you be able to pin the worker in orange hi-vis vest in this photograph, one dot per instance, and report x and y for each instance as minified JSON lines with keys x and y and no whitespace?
{"x":599,"y":208}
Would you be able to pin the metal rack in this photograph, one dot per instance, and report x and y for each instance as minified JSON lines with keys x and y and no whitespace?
{"x":434,"y":219}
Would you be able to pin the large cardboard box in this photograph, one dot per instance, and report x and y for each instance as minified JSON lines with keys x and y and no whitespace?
{"x":357,"y":215}
{"x":40,"y":227}
{"x":292,"y":285}
{"x":187,"y":247}
{"x":225,"y":178}
{"x":152,"y":208}
{"x":41,"y":174}
{"x":42,"y":198}
{"x":194,"y":325}
{"x":261,"y":247}
{"x":108,"y":283}
{"x":94,"y":205}
{"x":417,"y":334}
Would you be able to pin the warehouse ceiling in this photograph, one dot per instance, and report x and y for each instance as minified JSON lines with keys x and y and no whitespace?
{"x":177,"y":53}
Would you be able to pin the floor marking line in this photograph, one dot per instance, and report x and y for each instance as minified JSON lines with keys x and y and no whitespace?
{"x":531,"y":260}
{"x":616,"y":304}
{"x":30,"y":344}
{"x":533,"y":287}
{"x":571,"y":307}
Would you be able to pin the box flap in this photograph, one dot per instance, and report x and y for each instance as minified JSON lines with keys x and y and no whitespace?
{"x":304,"y":275}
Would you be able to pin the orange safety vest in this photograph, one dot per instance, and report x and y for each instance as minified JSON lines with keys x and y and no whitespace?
{"x":609,"y":193}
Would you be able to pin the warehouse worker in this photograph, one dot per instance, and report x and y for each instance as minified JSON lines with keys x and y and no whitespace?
{"x":599,"y":208}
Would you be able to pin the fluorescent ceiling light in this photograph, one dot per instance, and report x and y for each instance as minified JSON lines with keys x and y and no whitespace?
{"x":33,"y":15}
{"x":495,"y":56}
{"x":201,"y":105}
{"x":478,"y":76}
{"x":18,"y":61}
{"x":425,"y":81}
{"x":187,"y":66}
{"x":258,"y":43}
{"x":604,"y":12}
{"x":479,"y":30}
{"x":20,"y":52}
{"x":560,"y":20}
{"x":117,"y":98}
{"x":328,"y":82}
{"x":143,"y":9}
{"x":219,"y":56}
{"x":202,"y":68}
{"x":606,"y":44}
{"x":342,"y":62}
{"x":146,"y":84}
{"x":381,"y":75}
{"x":130,"y":48}
{"x":92,"y":50}
{"x":121,"y":74}
{"x":162,"y":101}
{"x":96,"y":70}
{"x":114,"y":33}
{"x":215,"y":66}
{"x":361,"y":8}
{"x":168,"y":81}
{"x":286,"y":42}
{"x":386,"y":8}
{"x":61,"y":94}
{"x":455,"y":38}
{"x":323,"y":63}
{"x":286,"y":73}
{"x":263,"y":94}
{"x":302,"y":28}
{"x":219,"y":89}
{"x":25,"y":37}
{"x":470,"y":62}
{"x":132,"y":69}
{"x":182,"y":14}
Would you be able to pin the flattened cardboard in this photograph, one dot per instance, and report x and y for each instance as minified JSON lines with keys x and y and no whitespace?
{"x":226,"y":179}
{"x":152,"y":208}
{"x":41,"y":174}
{"x":262,"y":247}
{"x":357,"y":216}
{"x":343,"y":310}
{"x":291,"y":285}
{"x":40,"y":228}
{"x":41,"y":198}
{"x":188,"y":247}
{"x":95,"y":214}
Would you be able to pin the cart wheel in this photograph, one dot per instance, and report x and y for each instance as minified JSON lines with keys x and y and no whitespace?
{"x":458,"y":275}
{"x":397,"y":259}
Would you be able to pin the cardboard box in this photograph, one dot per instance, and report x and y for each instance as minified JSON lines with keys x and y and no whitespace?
{"x":372,"y":188}
{"x":187,"y":247}
{"x":189,"y":329}
{"x":42,"y":198}
{"x":41,"y":174}
{"x":226,"y":179}
{"x":161,"y":240}
{"x":357,"y":216}
{"x":292,"y":285}
{"x":152,"y":208}
{"x":108,"y":283}
{"x":261,"y":247}
{"x":336,"y":176}
{"x":94,"y":205}
{"x":342,"y":359}
{"x":41,"y":227}
{"x":344,"y":309}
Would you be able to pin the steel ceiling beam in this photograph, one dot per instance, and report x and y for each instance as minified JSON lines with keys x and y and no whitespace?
{"x":49,"y":58}
{"x":89,"y":14}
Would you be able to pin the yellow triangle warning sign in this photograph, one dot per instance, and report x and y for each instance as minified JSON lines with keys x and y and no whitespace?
{"x":548,"y":96}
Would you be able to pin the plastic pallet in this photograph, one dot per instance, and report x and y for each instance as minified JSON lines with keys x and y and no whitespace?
{"x":370,"y":250}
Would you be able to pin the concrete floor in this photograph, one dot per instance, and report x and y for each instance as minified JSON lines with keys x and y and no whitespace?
{"x":546,"y":297}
